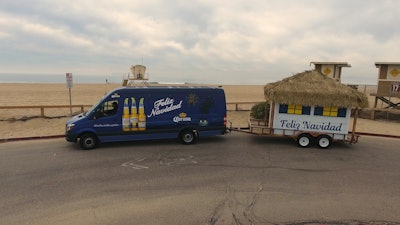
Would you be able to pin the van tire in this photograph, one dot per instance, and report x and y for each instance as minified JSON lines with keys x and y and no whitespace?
{"x":187,"y":137}
{"x":304,"y":140}
{"x":88,"y":141}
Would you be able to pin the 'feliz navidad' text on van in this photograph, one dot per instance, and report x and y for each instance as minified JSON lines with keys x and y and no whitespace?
{"x":164,"y":105}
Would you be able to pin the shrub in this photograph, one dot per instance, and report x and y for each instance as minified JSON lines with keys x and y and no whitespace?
{"x":258,"y":110}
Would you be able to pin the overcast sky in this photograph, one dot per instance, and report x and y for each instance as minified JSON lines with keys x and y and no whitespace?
{"x":208,"y":41}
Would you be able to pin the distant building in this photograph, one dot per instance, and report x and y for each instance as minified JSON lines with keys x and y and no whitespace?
{"x":389,"y":79}
{"x":388,"y":83}
{"x":331,"y":69}
{"x":137,"y":78}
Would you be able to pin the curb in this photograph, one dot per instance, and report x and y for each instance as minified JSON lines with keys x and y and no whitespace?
{"x":243,"y":130}
{"x":235,"y":129}
{"x":30,"y":138}
{"x":378,"y":135}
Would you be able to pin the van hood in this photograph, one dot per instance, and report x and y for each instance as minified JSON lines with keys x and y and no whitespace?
{"x":76,"y":118}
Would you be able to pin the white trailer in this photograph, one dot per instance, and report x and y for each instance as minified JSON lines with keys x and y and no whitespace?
{"x":310,"y":106}
{"x":307,"y":124}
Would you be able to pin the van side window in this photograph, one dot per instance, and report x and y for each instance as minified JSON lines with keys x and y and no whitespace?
{"x":108,"y":108}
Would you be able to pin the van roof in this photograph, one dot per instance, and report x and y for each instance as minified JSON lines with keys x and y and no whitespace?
{"x":172,"y":87}
{"x":169,"y":87}
{"x":163,"y":88}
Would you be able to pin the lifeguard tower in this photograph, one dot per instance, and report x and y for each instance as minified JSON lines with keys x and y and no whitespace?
{"x":137,"y":77}
{"x":388,"y":84}
{"x":331,"y":69}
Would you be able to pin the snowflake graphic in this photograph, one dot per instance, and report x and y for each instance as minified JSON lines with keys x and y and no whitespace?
{"x":192,"y":99}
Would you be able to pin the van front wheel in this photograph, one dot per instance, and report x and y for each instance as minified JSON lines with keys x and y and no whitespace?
{"x":187,"y":137}
{"x":88,"y":141}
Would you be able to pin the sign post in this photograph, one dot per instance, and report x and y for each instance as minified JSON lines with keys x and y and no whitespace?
{"x":68,"y":77}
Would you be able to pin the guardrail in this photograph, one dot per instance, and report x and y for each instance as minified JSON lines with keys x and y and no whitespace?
{"x":43,"y":107}
{"x":237,"y":104}
{"x":236,"y":107}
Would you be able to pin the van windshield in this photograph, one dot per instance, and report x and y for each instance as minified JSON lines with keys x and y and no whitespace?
{"x":91,"y":109}
{"x":94,"y":106}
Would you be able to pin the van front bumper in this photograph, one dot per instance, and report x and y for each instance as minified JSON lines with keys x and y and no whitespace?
{"x":71,"y":137}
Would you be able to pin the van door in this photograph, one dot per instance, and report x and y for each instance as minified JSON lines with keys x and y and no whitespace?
{"x":106,"y":119}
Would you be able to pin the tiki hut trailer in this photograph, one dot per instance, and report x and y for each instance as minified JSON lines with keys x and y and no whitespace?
{"x":310,"y":106}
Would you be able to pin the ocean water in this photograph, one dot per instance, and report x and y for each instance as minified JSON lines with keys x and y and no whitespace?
{"x":58,"y":78}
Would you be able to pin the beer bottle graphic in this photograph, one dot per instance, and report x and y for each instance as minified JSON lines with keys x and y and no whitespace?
{"x":142,"y":115}
{"x":126,"y":116}
{"x":134,"y":116}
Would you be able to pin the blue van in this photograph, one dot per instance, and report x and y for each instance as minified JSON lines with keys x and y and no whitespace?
{"x":147,"y":113}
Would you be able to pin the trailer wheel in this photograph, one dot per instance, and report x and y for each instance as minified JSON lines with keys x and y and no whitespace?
{"x":88,"y":141}
{"x":187,"y":137}
{"x":304,"y":140}
{"x":324,"y":141}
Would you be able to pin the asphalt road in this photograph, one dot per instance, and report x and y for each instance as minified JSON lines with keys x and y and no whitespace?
{"x":233,"y":179}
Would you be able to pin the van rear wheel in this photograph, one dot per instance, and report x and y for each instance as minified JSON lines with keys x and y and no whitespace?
{"x":187,"y":137}
{"x":88,"y":141}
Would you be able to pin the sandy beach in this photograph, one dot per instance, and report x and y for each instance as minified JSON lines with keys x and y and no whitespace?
{"x":17,"y":123}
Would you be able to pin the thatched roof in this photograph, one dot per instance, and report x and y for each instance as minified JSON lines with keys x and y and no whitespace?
{"x":313,"y":88}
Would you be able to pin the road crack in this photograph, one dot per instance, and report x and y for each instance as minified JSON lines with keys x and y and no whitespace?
{"x":231,"y":210}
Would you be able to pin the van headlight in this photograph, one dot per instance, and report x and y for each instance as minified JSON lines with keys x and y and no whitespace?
{"x":70,"y":127}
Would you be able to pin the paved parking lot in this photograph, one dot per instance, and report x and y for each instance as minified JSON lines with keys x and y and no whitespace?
{"x":233,"y":179}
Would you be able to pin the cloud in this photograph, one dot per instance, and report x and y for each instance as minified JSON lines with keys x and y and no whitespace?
{"x":202,"y":41}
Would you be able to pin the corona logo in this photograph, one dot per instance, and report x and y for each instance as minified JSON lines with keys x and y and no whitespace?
{"x":182,"y":115}
{"x":395,"y":72}
{"x":327,"y":71}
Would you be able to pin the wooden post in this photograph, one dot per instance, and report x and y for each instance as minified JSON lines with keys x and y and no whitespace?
{"x":353,"y":132}
{"x":271,"y":112}
{"x":42,"y":111}
{"x":376,"y":101}
{"x":373,"y":114}
{"x":266,"y":113}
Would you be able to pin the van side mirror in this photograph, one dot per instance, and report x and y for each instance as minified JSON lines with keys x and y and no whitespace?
{"x":97,"y":114}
